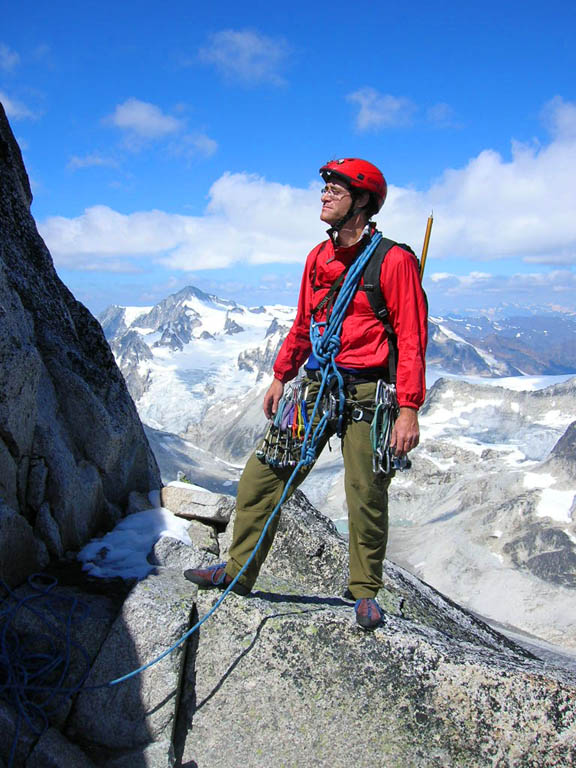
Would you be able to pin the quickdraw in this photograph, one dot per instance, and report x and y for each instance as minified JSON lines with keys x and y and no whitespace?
{"x":385,"y":414}
{"x":282,"y":443}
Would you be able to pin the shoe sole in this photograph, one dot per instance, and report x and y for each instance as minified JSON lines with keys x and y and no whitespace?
{"x":238,"y":589}
{"x":369,"y":624}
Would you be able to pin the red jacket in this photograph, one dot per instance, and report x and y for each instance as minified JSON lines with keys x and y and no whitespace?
{"x":364,"y":339}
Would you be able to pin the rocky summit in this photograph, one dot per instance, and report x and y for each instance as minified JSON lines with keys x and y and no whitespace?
{"x":285,"y":677}
{"x":71,"y":444}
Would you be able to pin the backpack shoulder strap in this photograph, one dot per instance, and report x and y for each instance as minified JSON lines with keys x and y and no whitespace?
{"x":371,"y":285}
{"x":371,"y":280}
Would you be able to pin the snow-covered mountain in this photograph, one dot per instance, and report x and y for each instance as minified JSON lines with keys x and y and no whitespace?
{"x":487,"y":514}
{"x":544,"y":344}
{"x":193,"y":352}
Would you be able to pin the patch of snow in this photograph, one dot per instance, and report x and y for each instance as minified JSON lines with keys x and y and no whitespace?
{"x":553,"y":418}
{"x":525,"y":383}
{"x":442,"y":464}
{"x":133,"y":313}
{"x":453,"y":336}
{"x":538,"y":480}
{"x":556,"y":505}
{"x":123,"y":551}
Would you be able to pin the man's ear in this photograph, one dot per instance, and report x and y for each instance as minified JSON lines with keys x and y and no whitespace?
{"x":362,"y":200}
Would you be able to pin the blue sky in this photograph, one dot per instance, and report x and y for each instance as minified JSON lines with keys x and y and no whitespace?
{"x":179,"y":143}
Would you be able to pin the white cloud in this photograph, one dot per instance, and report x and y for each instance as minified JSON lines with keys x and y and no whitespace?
{"x":15,"y":109}
{"x":246,"y":56}
{"x":145,"y":121}
{"x":195,"y":145}
{"x":560,"y":117}
{"x":9,"y":59}
{"x":520,"y":209}
{"x":543,"y":287}
{"x":77,"y":162}
{"x":492,"y":208}
{"x":380,"y":110}
{"x":238,"y":228}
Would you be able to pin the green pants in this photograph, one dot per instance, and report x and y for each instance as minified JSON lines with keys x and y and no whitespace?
{"x":261,"y":487}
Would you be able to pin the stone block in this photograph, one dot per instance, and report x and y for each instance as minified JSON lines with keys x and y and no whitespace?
{"x":194,"y":504}
{"x":141,"y":710}
{"x":55,"y":751}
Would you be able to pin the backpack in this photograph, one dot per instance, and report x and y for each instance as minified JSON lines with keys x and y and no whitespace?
{"x":371,"y":285}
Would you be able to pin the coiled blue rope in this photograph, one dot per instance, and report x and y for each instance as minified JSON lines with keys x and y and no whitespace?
{"x":33,"y":671}
{"x":23,"y":675}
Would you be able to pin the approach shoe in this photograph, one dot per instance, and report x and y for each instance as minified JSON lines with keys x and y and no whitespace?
{"x":214,"y":577}
{"x":368,"y":613}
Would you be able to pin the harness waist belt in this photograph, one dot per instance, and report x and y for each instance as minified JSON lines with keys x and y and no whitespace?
{"x":356,"y":377}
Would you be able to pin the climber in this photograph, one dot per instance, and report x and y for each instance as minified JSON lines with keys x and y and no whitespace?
{"x":354,"y":191}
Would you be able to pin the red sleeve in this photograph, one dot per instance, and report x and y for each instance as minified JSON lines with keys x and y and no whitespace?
{"x":402,"y":291}
{"x":297,"y":347}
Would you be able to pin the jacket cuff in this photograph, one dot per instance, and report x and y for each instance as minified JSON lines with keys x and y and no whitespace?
{"x":402,"y":403}
{"x":283,"y":377}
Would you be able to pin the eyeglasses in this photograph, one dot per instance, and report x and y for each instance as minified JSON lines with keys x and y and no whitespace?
{"x":334,"y":193}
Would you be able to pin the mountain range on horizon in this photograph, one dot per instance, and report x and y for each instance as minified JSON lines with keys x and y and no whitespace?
{"x":202,"y":339}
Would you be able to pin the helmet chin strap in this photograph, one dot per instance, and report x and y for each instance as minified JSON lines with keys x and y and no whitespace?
{"x":352,"y":211}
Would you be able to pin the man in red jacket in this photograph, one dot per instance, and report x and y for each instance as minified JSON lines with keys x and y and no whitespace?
{"x":355,"y":190}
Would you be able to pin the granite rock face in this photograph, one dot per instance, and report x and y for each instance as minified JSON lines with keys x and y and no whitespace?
{"x":285,"y":677}
{"x":141,"y":710}
{"x":71,"y":444}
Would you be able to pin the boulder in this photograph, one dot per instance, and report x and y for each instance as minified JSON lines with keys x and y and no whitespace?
{"x":290,"y":681}
{"x":142,"y":710}
{"x":159,"y":754}
{"x":55,"y":751}
{"x":70,"y":436}
{"x":172,"y":553}
{"x":11,"y":733}
{"x":307,"y":551}
{"x":62,"y":625}
{"x":187,"y":501}
{"x":138,"y":502}
{"x":20,"y":551}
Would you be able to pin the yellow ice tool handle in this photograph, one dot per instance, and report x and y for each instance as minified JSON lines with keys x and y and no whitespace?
{"x":426,"y":244}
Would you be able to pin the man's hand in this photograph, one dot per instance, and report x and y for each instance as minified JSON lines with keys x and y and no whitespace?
{"x":272,"y":398}
{"x":406,"y":432}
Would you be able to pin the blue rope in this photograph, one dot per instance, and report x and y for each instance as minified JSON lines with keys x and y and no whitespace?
{"x":24,"y":675}
{"x":32,"y":680}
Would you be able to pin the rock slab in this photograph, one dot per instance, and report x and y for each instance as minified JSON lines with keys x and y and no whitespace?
{"x":133,"y":714}
{"x":71,"y":442}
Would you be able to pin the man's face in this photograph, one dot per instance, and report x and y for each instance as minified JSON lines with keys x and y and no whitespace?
{"x":336,"y":201}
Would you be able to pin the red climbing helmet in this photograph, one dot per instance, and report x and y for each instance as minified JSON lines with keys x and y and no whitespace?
{"x":359,"y":174}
